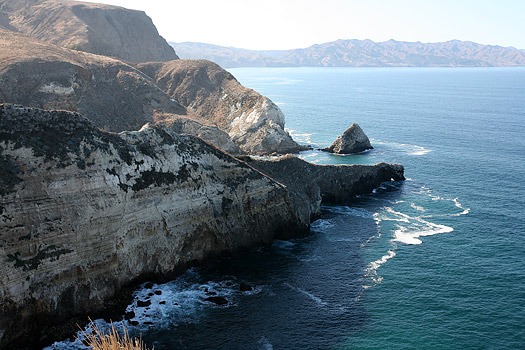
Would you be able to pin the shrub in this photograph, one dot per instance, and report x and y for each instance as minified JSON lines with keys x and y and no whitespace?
{"x":98,"y":339}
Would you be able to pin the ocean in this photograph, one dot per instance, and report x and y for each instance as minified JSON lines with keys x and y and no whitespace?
{"x":433,"y":262}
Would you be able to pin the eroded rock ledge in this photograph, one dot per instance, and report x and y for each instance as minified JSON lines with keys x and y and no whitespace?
{"x":84,"y":212}
{"x":310,"y":184}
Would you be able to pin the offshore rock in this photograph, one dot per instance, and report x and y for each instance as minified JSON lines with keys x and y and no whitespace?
{"x":353,"y":140}
{"x":84,"y":212}
{"x":253,"y":121}
{"x":96,"y":28}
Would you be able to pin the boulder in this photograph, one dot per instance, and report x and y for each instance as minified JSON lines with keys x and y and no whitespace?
{"x":353,"y":140}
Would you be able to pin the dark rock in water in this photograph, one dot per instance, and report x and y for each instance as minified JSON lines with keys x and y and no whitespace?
{"x":158,"y":292}
{"x":148,"y":285}
{"x":245,"y":287}
{"x":134,"y":323}
{"x":162,"y":302}
{"x":309,"y":184}
{"x":217,"y":300}
{"x":150,"y":294}
{"x":353,"y":140}
{"x":129,"y":315}
{"x":144,"y":303}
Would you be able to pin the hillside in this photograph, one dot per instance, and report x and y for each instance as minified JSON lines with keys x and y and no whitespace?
{"x":101,"y":29}
{"x":362,"y":53}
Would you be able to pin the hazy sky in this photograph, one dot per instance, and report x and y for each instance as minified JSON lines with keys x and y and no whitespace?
{"x":287,"y":24}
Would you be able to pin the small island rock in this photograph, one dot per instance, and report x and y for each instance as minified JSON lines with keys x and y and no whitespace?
{"x":353,"y":140}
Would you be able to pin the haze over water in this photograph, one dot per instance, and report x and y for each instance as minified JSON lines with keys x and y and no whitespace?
{"x":435,"y":262}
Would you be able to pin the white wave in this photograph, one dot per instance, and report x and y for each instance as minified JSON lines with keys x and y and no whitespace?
{"x":417,"y":207}
{"x":407,"y":236}
{"x":460,"y":206}
{"x":265,"y":344}
{"x":408,"y":148}
{"x":352,"y":211}
{"x":279,"y":103}
{"x":321,"y":225}
{"x":316,"y":299}
{"x":300,"y":137}
{"x":371,"y":269}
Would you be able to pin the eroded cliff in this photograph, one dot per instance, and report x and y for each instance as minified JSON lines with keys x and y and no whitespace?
{"x":253,"y":121}
{"x":101,"y":29}
{"x":84,"y":212}
{"x":111,"y":93}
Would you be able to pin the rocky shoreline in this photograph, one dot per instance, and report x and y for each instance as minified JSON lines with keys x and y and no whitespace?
{"x":85,"y":212}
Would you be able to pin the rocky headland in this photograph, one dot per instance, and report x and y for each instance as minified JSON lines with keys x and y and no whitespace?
{"x":85,"y":212}
{"x":115,"y":169}
{"x":253,"y":121}
{"x":100,"y":29}
{"x":199,"y":97}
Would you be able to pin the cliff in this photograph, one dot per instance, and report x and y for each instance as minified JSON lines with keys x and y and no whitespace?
{"x":84,"y":212}
{"x":101,"y":29}
{"x":117,"y":96}
{"x":253,"y":121}
{"x":361,"y":53}
{"x":310,"y":184}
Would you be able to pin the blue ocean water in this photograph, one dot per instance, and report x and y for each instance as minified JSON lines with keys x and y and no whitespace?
{"x":434,"y":262}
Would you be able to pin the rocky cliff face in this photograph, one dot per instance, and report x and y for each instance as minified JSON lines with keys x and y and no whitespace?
{"x":113,"y":94}
{"x":101,"y":29}
{"x":253,"y":121}
{"x":311,"y":184}
{"x":84,"y":212}
{"x":117,"y":96}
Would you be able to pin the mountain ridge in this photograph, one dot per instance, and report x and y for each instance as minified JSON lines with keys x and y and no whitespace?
{"x":361,"y":53}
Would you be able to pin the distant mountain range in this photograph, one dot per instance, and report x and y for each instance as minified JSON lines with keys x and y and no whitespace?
{"x":361,"y":53}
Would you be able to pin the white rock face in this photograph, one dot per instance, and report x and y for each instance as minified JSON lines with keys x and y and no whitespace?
{"x":84,"y":212}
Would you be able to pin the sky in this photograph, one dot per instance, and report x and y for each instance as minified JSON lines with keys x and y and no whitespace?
{"x":289,"y":24}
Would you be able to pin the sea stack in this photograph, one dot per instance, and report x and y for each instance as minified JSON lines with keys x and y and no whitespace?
{"x":353,"y":140}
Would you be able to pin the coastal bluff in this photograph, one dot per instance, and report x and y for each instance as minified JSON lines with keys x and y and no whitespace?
{"x":85,"y":212}
{"x":198,"y":97}
{"x":96,"y":28}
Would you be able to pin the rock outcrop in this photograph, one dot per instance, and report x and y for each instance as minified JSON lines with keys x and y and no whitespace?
{"x":111,"y":93}
{"x":353,"y":140}
{"x":118,"y":97}
{"x":253,"y":121}
{"x":311,"y":184}
{"x":84,"y":212}
{"x":101,"y":29}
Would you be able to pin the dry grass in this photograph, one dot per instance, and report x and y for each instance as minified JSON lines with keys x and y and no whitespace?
{"x":98,"y":339}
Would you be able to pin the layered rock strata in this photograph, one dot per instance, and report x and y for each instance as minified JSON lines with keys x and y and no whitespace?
{"x":84,"y":212}
{"x":253,"y":121}
{"x":101,"y":29}
{"x":310,"y":184}
{"x":353,"y":140}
